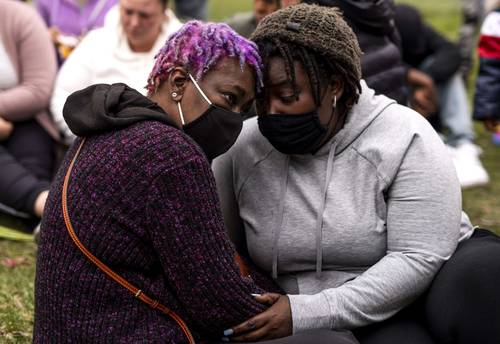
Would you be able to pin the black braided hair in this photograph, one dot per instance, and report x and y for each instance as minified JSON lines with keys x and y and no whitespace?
{"x":319,"y":68}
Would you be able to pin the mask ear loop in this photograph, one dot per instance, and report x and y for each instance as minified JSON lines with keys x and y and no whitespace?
{"x":180,"y":113}
{"x":199,"y":89}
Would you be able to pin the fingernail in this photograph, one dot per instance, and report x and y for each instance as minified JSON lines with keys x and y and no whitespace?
{"x":225,"y":339}
{"x":255,"y":295}
{"x":228,"y":332}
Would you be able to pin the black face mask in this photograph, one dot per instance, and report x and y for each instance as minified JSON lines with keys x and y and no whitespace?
{"x":216,"y":130}
{"x":294,"y":134}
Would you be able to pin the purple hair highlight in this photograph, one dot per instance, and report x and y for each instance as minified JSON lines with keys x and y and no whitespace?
{"x":200,"y":46}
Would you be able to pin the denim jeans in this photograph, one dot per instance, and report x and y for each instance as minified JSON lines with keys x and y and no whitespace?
{"x":454,"y":111}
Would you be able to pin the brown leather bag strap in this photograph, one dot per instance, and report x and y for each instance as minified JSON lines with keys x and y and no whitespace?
{"x":113,"y":275}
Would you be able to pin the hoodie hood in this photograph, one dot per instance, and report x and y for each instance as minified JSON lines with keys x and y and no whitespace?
{"x":100,"y":108}
{"x":374,"y":16}
{"x":362,"y":114}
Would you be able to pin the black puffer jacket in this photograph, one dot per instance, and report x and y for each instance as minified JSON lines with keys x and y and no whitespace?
{"x":421,"y":44}
{"x":373,"y":23}
{"x":487,"y":96}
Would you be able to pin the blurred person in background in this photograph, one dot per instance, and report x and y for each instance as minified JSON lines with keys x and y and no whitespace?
{"x":121,"y":51}
{"x":246,"y":22}
{"x":69,"y":20}
{"x":438,"y":91}
{"x":373,"y":23}
{"x":27,"y":72}
{"x":487,"y":94}
{"x":191,"y":9}
{"x":472,"y":14}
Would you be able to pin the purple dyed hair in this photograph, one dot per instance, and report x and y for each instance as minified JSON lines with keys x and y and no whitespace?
{"x":200,"y":46}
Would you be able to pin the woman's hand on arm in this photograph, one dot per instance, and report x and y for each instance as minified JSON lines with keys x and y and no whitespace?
{"x":275,"y":322}
{"x":197,"y":257}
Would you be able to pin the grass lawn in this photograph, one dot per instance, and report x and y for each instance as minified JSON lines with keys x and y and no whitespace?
{"x":16,"y":284}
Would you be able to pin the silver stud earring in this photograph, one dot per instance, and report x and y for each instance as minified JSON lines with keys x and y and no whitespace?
{"x":334,"y":101}
{"x":174,"y":94}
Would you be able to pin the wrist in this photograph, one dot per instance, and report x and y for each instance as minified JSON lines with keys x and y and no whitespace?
{"x":6,"y":128}
{"x":310,"y":312}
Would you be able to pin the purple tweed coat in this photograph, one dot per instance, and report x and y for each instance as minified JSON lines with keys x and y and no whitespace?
{"x":143,"y":200}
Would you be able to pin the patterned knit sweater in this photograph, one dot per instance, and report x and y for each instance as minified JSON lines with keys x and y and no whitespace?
{"x":143,"y":200}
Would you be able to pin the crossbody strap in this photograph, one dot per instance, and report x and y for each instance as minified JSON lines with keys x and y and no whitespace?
{"x":138,"y":293}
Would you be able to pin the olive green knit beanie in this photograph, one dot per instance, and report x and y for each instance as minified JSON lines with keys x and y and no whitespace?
{"x":319,"y":28}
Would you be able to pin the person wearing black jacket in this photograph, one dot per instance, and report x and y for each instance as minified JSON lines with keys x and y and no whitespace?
{"x":373,"y":24}
{"x":438,"y":91}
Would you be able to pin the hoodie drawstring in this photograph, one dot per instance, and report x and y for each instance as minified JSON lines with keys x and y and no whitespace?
{"x":319,"y":220}
{"x":279,"y":217}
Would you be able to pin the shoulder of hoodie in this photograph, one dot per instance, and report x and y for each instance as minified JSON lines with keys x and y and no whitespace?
{"x":400,"y":125}
{"x":386,"y":140}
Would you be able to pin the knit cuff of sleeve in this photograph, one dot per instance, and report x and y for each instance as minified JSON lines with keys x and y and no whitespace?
{"x":310,"y":312}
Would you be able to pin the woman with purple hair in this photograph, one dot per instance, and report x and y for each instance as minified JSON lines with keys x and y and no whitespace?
{"x":136,"y":196}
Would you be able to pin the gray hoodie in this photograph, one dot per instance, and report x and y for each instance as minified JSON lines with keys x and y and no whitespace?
{"x":355,"y":232}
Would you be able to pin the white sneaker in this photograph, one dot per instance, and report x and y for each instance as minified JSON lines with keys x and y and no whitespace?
{"x":470,"y":171}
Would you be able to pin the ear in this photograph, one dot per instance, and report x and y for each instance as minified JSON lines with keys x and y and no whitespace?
{"x":177,"y":82}
{"x":337,"y":87}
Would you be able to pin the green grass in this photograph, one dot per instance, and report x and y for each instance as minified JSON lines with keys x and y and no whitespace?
{"x":482,"y":204}
{"x":221,"y":9}
{"x":16,"y":293}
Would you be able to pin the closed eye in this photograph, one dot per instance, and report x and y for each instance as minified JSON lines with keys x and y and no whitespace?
{"x":288,"y":99}
{"x":231,"y":99}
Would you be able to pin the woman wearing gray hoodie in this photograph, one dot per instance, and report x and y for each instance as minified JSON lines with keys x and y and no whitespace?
{"x":351,"y":202}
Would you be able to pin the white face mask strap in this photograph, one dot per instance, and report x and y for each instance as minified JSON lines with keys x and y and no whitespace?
{"x":199,"y":89}
{"x":180,"y":113}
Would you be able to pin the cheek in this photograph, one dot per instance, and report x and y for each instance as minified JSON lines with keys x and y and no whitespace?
{"x":124,"y":20}
{"x":326,"y":108}
{"x":193,"y":105}
{"x":154,"y":25}
{"x":325,"y":112}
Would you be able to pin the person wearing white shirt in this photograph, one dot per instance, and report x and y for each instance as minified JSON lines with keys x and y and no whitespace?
{"x":121,"y":51}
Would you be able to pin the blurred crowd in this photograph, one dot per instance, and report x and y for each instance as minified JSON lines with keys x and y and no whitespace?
{"x":52,"y":48}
